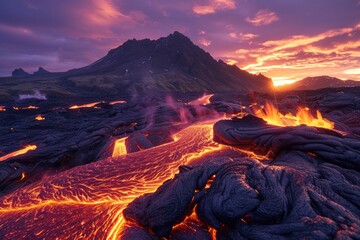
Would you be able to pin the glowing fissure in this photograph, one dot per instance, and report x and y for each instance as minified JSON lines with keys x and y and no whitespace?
{"x":204,"y":100}
{"x":117,"y":102}
{"x":88,"y":105}
{"x":18,"y":152}
{"x":24,"y":108}
{"x":39,"y":117}
{"x":303,"y":116}
{"x":254,"y":155}
{"x":88,"y":200}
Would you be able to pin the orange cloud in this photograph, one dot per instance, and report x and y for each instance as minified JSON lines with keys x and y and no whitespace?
{"x":231,"y":61}
{"x":243,"y":36}
{"x":354,"y":71}
{"x":333,"y":52}
{"x":301,"y":40}
{"x":104,"y":12}
{"x":205,"y":42}
{"x":214,"y":6}
{"x":104,"y":15}
{"x":263,"y":17}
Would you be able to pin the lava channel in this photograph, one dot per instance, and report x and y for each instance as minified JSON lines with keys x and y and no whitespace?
{"x":86,"y":202}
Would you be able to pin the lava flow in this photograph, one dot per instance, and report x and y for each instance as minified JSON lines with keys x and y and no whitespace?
{"x":117,"y":102}
{"x":24,"y":108}
{"x":119,"y":147}
{"x":18,"y":152}
{"x":204,"y":100}
{"x":303,"y":116}
{"x":39,"y":118}
{"x":86,"y":202}
{"x":88,"y":105}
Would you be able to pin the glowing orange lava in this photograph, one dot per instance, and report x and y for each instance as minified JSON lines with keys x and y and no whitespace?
{"x":19,"y":152}
{"x":303,"y":116}
{"x":119,"y":147}
{"x":204,"y":100}
{"x":39,"y":118}
{"x":117,"y":102}
{"x":86,"y":202}
{"x":89,"y":105}
{"x":23,"y":175}
{"x":2,"y":108}
{"x":24,"y":108}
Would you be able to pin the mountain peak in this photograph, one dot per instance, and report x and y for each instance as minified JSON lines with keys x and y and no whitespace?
{"x":19,"y":72}
{"x":172,"y":63}
{"x":41,"y":71}
{"x":178,"y":35}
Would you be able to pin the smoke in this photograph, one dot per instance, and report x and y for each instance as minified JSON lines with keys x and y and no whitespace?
{"x":184,"y":114}
{"x":36,"y":95}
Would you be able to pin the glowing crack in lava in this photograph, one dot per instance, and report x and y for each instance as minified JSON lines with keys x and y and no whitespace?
{"x":39,"y":118}
{"x":18,"y":152}
{"x":204,"y":100}
{"x":86,"y":202}
{"x":303,"y":116}
{"x":119,"y":147}
{"x":117,"y":102}
{"x":25,"y":108}
{"x":88,"y":105}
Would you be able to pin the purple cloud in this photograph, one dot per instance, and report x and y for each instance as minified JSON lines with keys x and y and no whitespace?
{"x":263,"y":17}
{"x":70,"y":34}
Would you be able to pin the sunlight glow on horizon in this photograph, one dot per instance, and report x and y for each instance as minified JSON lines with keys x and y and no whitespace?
{"x":280,"y":81}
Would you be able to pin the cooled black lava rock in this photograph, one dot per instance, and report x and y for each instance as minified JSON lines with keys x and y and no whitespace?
{"x":311,"y":188}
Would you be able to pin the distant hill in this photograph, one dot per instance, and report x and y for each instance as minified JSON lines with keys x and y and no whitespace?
{"x":19,"y":72}
{"x":313,"y":83}
{"x":172,"y":64}
{"x":41,"y":72}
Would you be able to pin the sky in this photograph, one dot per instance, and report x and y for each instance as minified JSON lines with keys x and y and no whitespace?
{"x":286,"y":40}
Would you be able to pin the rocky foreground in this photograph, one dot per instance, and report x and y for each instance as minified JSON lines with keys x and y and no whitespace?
{"x":308,"y":189}
{"x":239,"y":178}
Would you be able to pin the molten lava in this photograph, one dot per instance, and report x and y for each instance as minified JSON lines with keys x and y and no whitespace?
{"x":39,"y":118}
{"x":23,"y":175}
{"x":119,"y":147}
{"x":204,"y":100}
{"x":24,"y":108}
{"x":2,"y":108}
{"x":86,"y":202}
{"x":303,"y":116}
{"x":117,"y":102}
{"x":89,"y":105}
{"x":18,"y":152}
